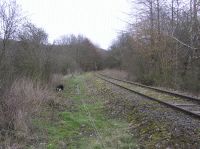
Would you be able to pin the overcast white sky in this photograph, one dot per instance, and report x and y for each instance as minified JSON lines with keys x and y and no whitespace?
{"x":99,"y":20}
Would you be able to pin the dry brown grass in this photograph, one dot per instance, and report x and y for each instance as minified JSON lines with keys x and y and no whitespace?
{"x":20,"y":104}
{"x":56,"y":79}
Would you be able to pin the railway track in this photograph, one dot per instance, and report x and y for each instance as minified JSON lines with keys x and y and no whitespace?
{"x":187,"y":104}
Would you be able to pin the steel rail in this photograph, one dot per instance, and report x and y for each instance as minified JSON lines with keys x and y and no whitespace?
{"x":151,"y":98}
{"x":154,"y":88}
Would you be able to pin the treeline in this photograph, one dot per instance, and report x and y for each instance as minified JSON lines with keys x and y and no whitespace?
{"x":162,"y":45}
{"x":25,"y":51}
{"x":30,"y":68}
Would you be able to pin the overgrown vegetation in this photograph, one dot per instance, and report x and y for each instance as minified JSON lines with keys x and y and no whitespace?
{"x":24,"y":100}
{"x":30,"y":68}
{"x":161,"y":46}
{"x":83,"y":123}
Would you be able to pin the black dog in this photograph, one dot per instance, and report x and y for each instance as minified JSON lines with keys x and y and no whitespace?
{"x":59,"y":88}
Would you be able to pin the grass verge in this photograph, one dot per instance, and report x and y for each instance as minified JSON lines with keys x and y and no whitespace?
{"x":83,"y":123}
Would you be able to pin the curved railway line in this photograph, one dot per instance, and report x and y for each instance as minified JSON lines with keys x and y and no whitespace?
{"x":186,"y":104}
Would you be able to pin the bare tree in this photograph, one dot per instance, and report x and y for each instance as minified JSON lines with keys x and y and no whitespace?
{"x":10,"y":19}
{"x":165,"y":39}
{"x":31,"y":33}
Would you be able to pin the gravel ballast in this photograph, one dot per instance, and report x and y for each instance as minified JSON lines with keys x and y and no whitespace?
{"x":154,"y":125}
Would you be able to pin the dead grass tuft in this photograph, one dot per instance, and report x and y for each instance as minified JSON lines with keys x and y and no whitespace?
{"x":20,"y":104}
{"x":56,"y":79}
